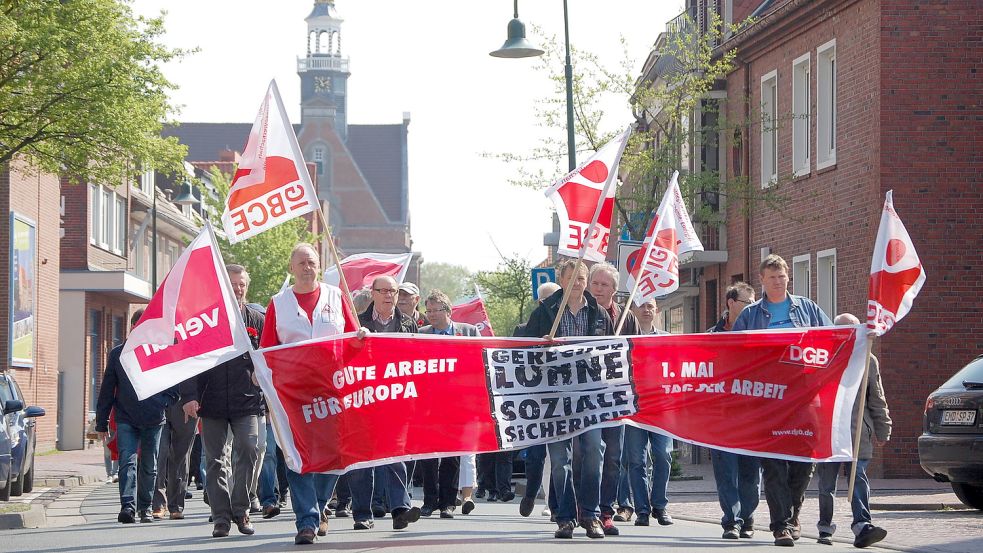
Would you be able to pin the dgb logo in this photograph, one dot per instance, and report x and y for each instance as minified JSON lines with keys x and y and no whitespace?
{"x":807,"y":356}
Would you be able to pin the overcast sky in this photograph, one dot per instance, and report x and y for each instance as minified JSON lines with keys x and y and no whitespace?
{"x":429,"y":58}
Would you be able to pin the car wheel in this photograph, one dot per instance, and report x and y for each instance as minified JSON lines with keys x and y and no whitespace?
{"x":5,"y":490}
{"x":969,"y":494}
{"x":29,"y":481}
{"x":17,"y":488}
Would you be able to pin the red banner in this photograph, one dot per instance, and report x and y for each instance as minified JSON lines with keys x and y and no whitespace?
{"x":344,"y":403}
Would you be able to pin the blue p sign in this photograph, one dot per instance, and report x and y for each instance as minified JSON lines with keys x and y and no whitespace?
{"x":540,"y":276}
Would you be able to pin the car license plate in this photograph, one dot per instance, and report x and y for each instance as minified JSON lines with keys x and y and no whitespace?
{"x":960,"y":418}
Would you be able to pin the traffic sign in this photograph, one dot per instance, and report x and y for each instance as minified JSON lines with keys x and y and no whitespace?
{"x":539,"y":277}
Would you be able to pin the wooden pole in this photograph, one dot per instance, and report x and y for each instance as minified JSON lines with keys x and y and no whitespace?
{"x":343,"y":284}
{"x":566,"y":295}
{"x":858,"y":428}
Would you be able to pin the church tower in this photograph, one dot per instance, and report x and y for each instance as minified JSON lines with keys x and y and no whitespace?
{"x":324,"y":71}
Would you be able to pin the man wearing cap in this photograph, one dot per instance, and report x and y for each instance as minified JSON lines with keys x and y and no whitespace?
{"x":409,"y":299}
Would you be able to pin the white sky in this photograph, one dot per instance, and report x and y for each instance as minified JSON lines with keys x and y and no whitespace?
{"x":429,"y":58}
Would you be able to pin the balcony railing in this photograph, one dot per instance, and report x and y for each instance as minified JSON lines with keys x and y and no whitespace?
{"x":334,"y":63}
{"x":683,"y":22}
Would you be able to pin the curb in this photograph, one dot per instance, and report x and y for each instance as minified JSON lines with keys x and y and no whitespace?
{"x":32,"y":518}
{"x":67,"y":482}
{"x":919,"y":507}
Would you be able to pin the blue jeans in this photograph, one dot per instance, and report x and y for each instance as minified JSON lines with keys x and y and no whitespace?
{"x":267,"y":474}
{"x":738,"y":487}
{"x":859,"y":503}
{"x":309,"y":493}
{"x":392,"y":486}
{"x":637,"y":443}
{"x":588,"y":492}
{"x":624,"y":486}
{"x":134,"y":442}
{"x":535,"y":464}
{"x":611,"y":472}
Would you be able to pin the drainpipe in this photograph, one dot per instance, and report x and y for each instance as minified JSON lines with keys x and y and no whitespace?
{"x":747,"y":170}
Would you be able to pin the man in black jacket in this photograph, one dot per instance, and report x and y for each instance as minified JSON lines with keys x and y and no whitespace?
{"x":581,"y":317}
{"x":138,"y":426}
{"x":227,"y":399}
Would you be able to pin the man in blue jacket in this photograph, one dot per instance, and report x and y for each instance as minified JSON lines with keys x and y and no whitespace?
{"x":138,"y":425}
{"x":785,"y":481}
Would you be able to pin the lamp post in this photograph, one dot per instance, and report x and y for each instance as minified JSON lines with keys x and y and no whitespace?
{"x":517,"y":46}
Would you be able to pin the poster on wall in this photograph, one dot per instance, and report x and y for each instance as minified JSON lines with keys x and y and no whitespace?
{"x":22,"y":300}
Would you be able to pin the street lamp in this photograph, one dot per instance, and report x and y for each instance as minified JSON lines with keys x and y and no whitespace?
{"x":516,"y":46}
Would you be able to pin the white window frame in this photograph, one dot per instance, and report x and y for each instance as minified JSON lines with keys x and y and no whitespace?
{"x":826,"y":92}
{"x":801,"y":286}
{"x":801,"y":115}
{"x":769,"y":128}
{"x":827,"y":304}
{"x":121,"y":220}
{"x":95,"y":214}
{"x":147,"y":181}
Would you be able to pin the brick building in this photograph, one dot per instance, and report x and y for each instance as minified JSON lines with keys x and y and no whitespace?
{"x":877,"y":95}
{"x":29,"y":310}
{"x":362,"y":171}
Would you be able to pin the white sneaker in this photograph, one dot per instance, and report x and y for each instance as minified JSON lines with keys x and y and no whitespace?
{"x":115,"y":478}
{"x":546,"y":512}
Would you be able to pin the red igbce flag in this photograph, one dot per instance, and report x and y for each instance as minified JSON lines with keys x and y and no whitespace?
{"x":341,"y":403}
{"x":192,"y":323}
{"x":896,"y":273}
{"x":362,"y":268}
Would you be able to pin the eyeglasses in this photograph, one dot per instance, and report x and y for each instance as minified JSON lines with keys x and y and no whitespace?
{"x":387,"y":291}
{"x":431,"y":312}
{"x":745,"y":302}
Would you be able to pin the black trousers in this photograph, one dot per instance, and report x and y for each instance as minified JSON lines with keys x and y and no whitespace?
{"x":495,"y":471}
{"x":785,"y":488}
{"x":440,"y":478}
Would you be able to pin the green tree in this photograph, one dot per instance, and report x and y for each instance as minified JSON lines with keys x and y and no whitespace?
{"x":508,"y":293}
{"x":453,"y":280}
{"x":266,"y":255}
{"x":81,"y":90}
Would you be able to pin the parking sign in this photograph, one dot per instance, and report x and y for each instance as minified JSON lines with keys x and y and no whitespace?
{"x":540,"y":276}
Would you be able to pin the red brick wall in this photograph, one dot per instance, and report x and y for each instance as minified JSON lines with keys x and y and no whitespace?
{"x":108,"y":308}
{"x":35,"y":197}
{"x":931,"y":144}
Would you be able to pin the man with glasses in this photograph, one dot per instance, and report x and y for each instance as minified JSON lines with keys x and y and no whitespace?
{"x":440,"y":476}
{"x":738,"y":476}
{"x":383,"y":316}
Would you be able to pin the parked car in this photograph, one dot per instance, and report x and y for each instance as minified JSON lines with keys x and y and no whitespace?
{"x":951,"y":446}
{"x":18,"y":439}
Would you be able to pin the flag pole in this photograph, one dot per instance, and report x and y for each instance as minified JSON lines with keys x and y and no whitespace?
{"x":567,"y":289}
{"x":858,"y":427}
{"x":343,"y":284}
{"x":634,"y":289}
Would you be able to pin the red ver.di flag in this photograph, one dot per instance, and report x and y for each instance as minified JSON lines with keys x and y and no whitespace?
{"x":584,"y":201}
{"x":271,"y":184}
{"x":362,"y":268}
{"x":670,"y":235}
{"x":473,"y":312}
{"x":896,"y":273}
{"x":192,"y":323}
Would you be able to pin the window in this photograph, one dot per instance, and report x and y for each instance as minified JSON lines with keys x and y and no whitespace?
{"x":95,"y":212}
{"x":826,"y":105}
{"x":319,"y":160}
{"x":769,"y":129}
{"x":119,"y":240}
{"x":800,"y":275}
{"x":826,"y":281}
{"x":95,"y":355}
{"x":108,"y":219}
{"x":800,"y":116}
{"x":147,"y":181}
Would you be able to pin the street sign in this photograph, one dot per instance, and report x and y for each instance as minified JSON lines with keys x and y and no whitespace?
{"x":627,"y":254}
{"x":539,"y":277}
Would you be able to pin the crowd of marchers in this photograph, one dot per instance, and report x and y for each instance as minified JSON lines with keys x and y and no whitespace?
{"x":214,"y":428}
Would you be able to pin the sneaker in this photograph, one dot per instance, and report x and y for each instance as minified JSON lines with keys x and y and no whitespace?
{"x":506,"y":497}
{"x":364,"y":525}
{"x":322,"y":527}
{"x":305,"y":536}
{"x":593,"y":527}
{"x":825,"y":538}
{"x":446,"y":513}
{"x":177,"y":515}
{"x":607,"y":524}
{"x":187,"y":495}
{"x":869,"y":535}
{"x":663,"y":517}
{"x":342,"y":512}
{"x":784,"y":538}
{"x":492,"y":496}
{"x":747,"y":531}
{"x":115,"y":478}
{"x":221,"y":530}
{"x":642,"y":520}
{"x":244,"y":526}
{"x":526,"y":506}
{"x":405,"y":517}
{"x":378,"y":512}
{"x":127,"y":516}
{"x":546,"y":512}
{"x":146,"y":516}
{"x":479,"y":493}
{"x":159,"y":513}
{"x":467,"y":506}
{"x":731,"y":534}
{"x":564,"y":531}
{"x":624,"y":514}
{"x":199,"y":485}
{"x":255,"y":507}
{"x":426,"y":511}
{"x":271,"y":511}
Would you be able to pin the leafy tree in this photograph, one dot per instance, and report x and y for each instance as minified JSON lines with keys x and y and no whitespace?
{"x":453,"y":280}
{"x":81,"y":90}
{"x":266,"y":255}
{"x":508,"y":293}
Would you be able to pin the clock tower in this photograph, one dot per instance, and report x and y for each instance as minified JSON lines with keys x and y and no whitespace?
{"x":324,"y":71}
